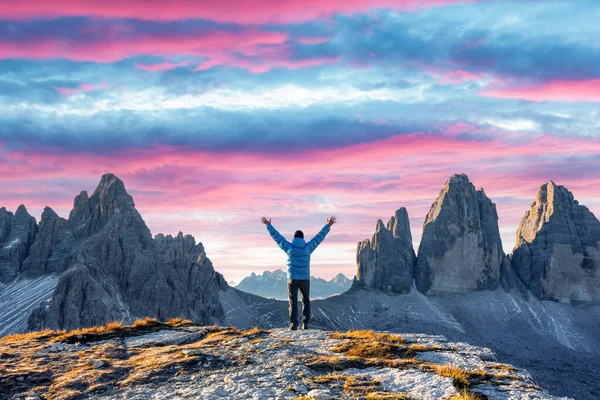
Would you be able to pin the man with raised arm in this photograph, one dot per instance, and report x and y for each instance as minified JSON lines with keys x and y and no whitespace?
{"x":298,"y":270}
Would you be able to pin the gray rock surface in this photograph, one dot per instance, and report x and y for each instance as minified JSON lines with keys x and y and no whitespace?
{"x":273,"y":284}
{"x":17,"y":232}
{"x":51,"y":249}
{"x":557,"y":251}
{"x":115,"y":270}
{"x":277,"y":364}
{"x":461,"y":250}
{"x":386,"y":262}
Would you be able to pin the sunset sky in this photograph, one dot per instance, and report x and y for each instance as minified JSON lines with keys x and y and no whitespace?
{"x":215,"y":113}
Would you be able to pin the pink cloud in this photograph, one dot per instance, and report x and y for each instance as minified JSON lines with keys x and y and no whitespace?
{"x":256,"y":11}
{"x":163,"y":66}
{"x":107,"y":48}
{"x":558,"y":90}
{"x":312,"y":40}
{"x":83,"y":87}
{"x":454,"y":76}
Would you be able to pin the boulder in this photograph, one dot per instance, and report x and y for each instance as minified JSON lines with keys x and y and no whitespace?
{"x":460,"y":250}
{"x":557,"y":250}
{"x":386,"y":262}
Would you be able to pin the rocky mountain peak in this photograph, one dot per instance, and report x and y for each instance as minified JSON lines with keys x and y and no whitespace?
{"x":48,"y":214}
{"x":461,"y":250}
{"x":22,"y":210}
{"x":386,"y":261}
{"x":399,"y":225}
{"x":557,"y":251}
{"x":109,"y":204}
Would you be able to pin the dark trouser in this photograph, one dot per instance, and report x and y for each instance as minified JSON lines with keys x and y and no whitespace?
{"x":304,"y":286}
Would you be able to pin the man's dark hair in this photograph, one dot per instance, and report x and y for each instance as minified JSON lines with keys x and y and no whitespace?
{"x":299,"y":234}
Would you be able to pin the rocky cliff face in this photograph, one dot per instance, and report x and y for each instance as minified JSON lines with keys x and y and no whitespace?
{"x":460,"y":250}
{"x":50,"y":252}
{"x":108,"y":265}
{"x":386,"y":262}
{"x":557,"y":252}
{"x":17,"y":232}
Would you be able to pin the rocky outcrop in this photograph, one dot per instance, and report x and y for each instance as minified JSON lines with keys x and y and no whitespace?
{"x":557,"y":251}
{"x":386,"y":262}
{"x":256,"y":364}
{"x":461,"y":250}
{"x":17,"y":232}
{"x":109,"y":266}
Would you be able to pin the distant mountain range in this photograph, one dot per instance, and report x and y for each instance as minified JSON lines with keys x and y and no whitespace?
{"x":273,"y":285}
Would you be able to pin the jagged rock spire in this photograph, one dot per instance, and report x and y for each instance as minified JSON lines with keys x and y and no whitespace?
{"x":461,"y":250}
{"x":386,"y":261}
{"x":557,"y":251}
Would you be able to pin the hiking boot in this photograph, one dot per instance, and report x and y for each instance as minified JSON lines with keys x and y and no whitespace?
{"x":293,"y":327}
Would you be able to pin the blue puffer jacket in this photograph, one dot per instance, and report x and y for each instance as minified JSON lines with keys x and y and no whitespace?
{"x":298,"y":252}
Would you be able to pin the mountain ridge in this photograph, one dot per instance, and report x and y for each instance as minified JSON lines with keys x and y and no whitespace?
{"x":273,"y":284}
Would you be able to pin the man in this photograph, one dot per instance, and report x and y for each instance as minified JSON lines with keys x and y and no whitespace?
{"x":298,"y":268}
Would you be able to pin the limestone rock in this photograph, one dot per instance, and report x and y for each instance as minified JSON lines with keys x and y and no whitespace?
{"x":51,"y":249}
{"x":557,"y":251}
{"x":319,"y":394}
{"x":386,"y":262}
{"x":17,"y":232}
{"x":461,"y":250}
{"x":117,"y":271}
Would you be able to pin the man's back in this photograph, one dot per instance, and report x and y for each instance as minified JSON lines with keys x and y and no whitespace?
{"x":298,"y":271}
{"x":298,"y":251}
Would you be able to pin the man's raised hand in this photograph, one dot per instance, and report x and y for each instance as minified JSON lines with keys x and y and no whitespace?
{"x":331,"y":221}
{"x":265,"y":221}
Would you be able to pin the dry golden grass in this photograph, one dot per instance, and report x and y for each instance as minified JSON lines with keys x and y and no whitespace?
{"x":460,"y":378}
{"x":369,"y":344}
{"x":503,"y":367}
{"x":385,"y":396}
{"x":350,"y":384}
{"x":176,"y":322}
{"x":418,"y":347}
{"x":144,"y":322}
{"x":19,"y":337}
{"x":368,"y":335}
